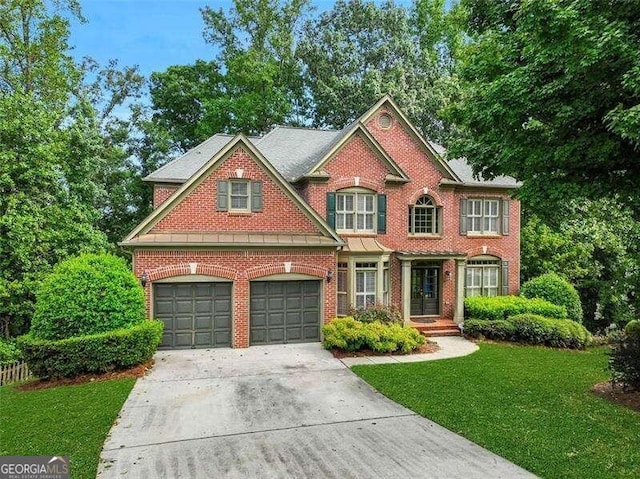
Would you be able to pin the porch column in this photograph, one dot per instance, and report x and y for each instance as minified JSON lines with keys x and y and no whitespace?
{"x":458,"y":314}
{"x":406,"y":290}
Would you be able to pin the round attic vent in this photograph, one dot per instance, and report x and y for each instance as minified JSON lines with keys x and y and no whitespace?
{"x":384,"y":121}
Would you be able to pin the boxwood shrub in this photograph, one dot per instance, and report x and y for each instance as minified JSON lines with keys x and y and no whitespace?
{"x":556,"y":290}
{"x":85,"y":295}
{"x":501,"y":307}
{"x":350,"y":334}
{"x":94,"y":353}
{"x":531,"y":329}
{"x":378,"y":312}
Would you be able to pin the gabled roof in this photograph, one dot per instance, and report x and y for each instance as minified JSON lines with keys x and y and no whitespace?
{"x":299,"y":152}
{"x":345,"y":135}
{"x":213,"y":163}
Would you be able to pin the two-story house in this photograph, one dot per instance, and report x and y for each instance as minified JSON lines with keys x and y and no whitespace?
{"x":260,"y":240}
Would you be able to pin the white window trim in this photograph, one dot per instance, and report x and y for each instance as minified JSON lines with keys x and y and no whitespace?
{"x":482,"y":216}
{"x":248,"y":196}
{"x":355,"y":212}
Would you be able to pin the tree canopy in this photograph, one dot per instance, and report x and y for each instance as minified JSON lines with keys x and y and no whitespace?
{"x":550,"y":94}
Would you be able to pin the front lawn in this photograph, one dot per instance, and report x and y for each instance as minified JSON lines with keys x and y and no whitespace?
{"x":63,"y":421}
{"x":530,"y":405}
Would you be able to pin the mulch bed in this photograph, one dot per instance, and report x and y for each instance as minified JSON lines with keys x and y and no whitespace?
{"x":134,"y":372}
{"x":426,"y":348}
{"x":630,"y":399}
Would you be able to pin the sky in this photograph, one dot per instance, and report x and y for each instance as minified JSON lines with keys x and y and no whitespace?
{"x":152,"y":34}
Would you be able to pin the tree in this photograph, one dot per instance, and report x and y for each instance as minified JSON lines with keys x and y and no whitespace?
{"x":551,"y":96}
{"x":596,"y":246}
{"x":358,"y":51}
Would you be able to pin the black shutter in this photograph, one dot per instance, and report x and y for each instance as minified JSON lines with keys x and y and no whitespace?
{"x":505,"y":217}
{"x":505,"y":278}
{"x":222,"y":195}
{"x":463,"y":216}
{"x":382,"y":214}
{"x":256,"y":196}
{"x":331,"y":210}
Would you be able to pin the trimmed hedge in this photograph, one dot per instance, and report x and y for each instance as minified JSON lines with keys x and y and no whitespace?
{"x":501,"y":307}
{"x":87,"y":294}
{"x":556,"y":290}
{"x":531,"y":329}
{"x":352,"y":335}
{"x":9,"y":352}
{"x":91,"y":354}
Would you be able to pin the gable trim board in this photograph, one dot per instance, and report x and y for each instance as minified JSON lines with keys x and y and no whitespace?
{"x":211,"y":165}
{"x":357,"y":128}
{"x":431,"y":152}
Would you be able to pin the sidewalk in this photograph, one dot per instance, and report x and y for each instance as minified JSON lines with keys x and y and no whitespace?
{"x":450,"y":347}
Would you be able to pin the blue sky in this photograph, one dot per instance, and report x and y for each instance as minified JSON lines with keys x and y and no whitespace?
{"x":153,"y":34}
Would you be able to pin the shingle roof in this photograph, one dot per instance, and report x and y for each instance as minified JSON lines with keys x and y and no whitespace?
{"x":294,"y":152}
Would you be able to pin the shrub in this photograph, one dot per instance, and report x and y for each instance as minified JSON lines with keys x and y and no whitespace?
{"x":85,"y":295}
{"x":632,"y":329}
{"x":500,"y":329}
{"x":378,"y":312}
{"x":350,"y":334}
{"x":556,"y":290}
{"x":501,"y":307}
{"x":531,"y":329}
{"x":344,"y":333}
{"x":95,"y":353}
{"x":9,"y":352}
{"x":624,"y":360}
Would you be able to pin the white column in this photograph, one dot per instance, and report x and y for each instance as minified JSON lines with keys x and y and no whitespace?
{"x":458,"y":315}
{"x":406,"y":290}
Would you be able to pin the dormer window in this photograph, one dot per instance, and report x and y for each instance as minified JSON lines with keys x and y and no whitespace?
{"x":424,"y":217}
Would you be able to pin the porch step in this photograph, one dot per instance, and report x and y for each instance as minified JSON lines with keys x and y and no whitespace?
{"x":440,"y":327}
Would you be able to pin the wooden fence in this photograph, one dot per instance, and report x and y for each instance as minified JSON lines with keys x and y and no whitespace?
{"x":13,"y":372}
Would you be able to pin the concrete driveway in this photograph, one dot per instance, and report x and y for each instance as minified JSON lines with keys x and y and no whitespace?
{"x":278,"y":411}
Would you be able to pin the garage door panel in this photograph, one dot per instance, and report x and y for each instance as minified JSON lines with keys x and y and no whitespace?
{"x":194,"y":314}
{"x":284,"y":311}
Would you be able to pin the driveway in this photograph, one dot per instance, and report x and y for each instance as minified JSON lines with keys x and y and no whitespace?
{"x":278,"y":411}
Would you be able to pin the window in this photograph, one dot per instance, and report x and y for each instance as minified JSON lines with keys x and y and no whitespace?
{"x":483,"y":216}
{"x":424,"y":217}
{"x":343,"y":296}
{"x":355,"y":212}
{"x":385,"y":284}
{"x":239,"y":196}
{"x":365,"y":284}
{"x":483,"y":277}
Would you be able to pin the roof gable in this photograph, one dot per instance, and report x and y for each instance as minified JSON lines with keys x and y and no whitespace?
{"x":208,"y":169}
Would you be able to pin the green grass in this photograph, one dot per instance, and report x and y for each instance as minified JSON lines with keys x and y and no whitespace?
{"x":530,"y":405}
{"x":64,"y":421}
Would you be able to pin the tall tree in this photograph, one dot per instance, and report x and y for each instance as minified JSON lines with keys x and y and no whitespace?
{"x":358,"y":51}
{"x":551,"y":96}
{"x":60,"y":150}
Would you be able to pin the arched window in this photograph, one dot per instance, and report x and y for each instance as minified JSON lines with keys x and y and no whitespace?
{"x":424,"y":217}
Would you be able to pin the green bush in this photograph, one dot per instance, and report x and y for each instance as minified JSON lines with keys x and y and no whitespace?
{"x":624,"y":360}
{"x":378,"y":312}
{"x":632,"y":329}
{"x":9,"y":352}
{"x":501,"y":307}
{"x":531,"y":329}
{"x":95,"y":353}
{"x":87,"y":294}
{"x":350,"y":334}
{"x":556,"y":290}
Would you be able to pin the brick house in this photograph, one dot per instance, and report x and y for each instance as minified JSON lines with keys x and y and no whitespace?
{"x":260,"y":240}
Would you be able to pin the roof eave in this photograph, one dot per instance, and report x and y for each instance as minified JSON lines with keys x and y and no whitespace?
{"x":467,"y":184}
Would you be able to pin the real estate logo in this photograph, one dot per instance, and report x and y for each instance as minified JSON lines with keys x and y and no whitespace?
{"x":34,"y":467}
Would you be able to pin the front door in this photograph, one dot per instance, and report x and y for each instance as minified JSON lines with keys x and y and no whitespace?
{"x":425,"y":290}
